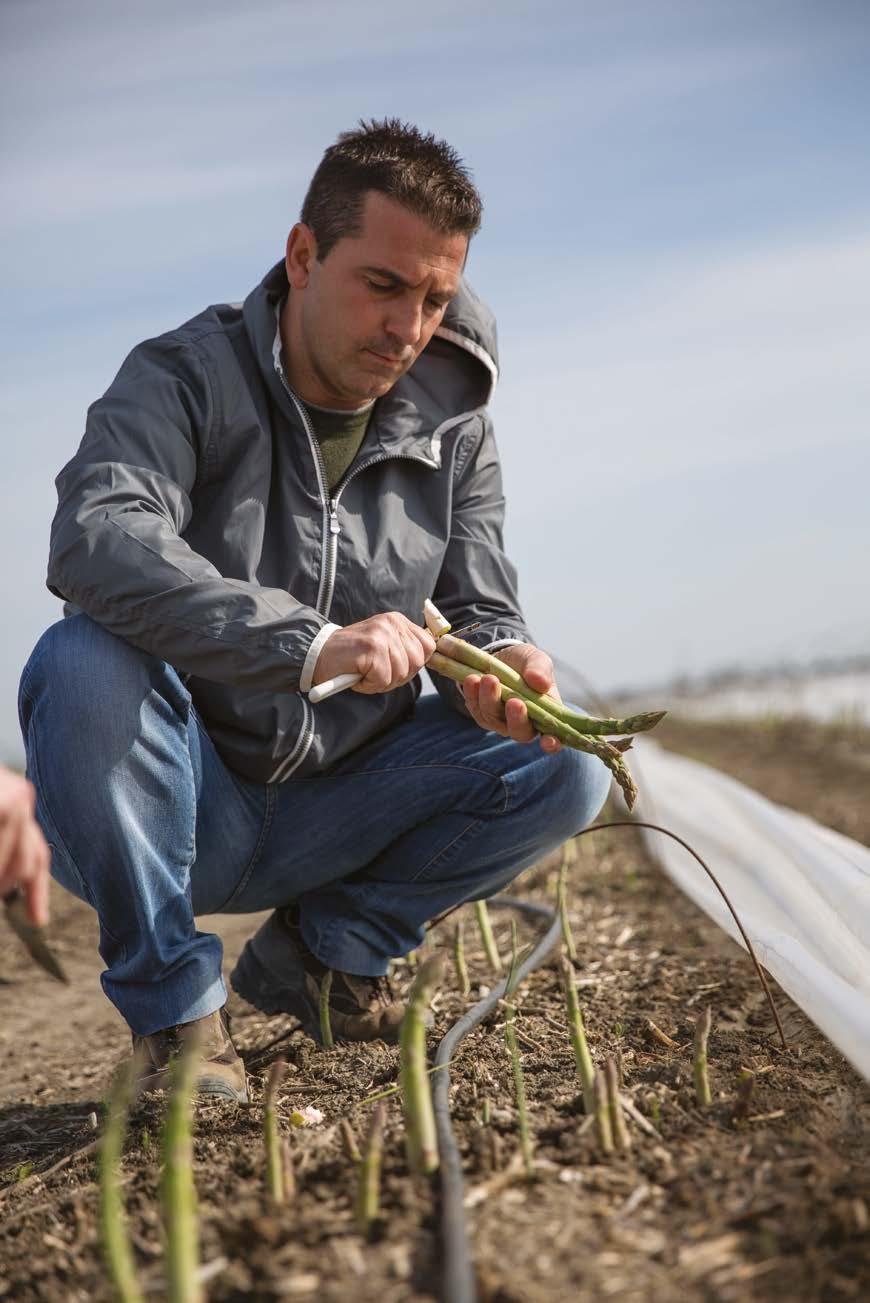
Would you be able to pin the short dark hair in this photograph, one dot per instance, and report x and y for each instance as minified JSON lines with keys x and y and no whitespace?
{"x":426,"y":175}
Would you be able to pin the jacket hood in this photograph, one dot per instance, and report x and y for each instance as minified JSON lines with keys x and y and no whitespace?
{"x":455,"y":374}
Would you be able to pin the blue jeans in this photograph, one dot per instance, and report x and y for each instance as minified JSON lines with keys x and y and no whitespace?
{"x":147,"y":824}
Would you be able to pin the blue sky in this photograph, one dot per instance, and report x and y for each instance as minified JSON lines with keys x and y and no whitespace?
{"x":676,"y":244}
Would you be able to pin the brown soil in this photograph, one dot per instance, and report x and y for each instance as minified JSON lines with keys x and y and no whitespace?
{"x":706,"y":1205}
{"x":821,"y":769}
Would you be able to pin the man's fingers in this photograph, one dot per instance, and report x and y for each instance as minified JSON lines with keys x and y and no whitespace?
{"x":13,"y":826}
{"x":378,"y":672}
{"x":520,"y":727}
{"x":534,"y":665}
{"x":490,"y":703}
{"x":36,"y":899}
{"x":426,"y":641}
{"x":538,"y":671}
{"x":36,"y":884}
{"x":392,"y":663}
{"x":386,"y":650}
{"x":8,"y":870}
{"x":509,"y":719}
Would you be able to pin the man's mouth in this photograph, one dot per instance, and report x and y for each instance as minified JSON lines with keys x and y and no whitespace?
{"x":396,"y":363}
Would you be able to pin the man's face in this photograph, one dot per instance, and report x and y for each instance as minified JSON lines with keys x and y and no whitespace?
{"x":357,"y":321}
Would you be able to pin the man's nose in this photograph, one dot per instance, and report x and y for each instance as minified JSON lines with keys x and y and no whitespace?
{"x":405,"y":322}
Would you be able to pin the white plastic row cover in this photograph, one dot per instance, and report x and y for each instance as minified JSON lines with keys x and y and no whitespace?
{"x":801,"y":890}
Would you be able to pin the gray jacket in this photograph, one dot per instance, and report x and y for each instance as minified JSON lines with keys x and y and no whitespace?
{"x":195,"y":522}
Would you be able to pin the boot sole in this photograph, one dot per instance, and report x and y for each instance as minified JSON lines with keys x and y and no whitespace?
{"x":207,"y":1087}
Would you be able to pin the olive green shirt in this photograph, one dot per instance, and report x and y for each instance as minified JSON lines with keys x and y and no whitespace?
{"x":340,"y":435}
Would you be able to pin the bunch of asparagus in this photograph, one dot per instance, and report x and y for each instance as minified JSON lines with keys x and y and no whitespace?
{"x":457,"y":659}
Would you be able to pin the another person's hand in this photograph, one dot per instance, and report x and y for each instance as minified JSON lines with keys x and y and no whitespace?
{"x":24,"y":855}
{"x":482,"y":694}
{"x":387,"y":650}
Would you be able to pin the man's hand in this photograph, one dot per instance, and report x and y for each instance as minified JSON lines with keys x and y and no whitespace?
{"x":387,"y":650}
{"x":24,"y":856}
{"x":510,"y":718}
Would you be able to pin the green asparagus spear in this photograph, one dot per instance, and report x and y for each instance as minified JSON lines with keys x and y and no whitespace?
{"x":484,"y":663}
{"x":582,"y":1057}
{"x":271,"y":1134}
{"x":369,"y":1174}
{"x":487,"y":936}
{"x":420,"y":1134}
{"x":547,"y":723}
{"x":177,"y":1188}
{"x":699,"y":1063}
{"x":459,"y":961}
{"x":113,"y":1222}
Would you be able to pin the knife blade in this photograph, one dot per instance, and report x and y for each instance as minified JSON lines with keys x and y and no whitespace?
{"x":32,"y":936}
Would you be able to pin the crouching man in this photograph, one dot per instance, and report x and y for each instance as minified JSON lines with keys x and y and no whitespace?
{"x":262,"y":500}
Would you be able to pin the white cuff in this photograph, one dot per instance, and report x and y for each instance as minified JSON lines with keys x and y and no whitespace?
{"x":504,"y":642}
{"x":313,"y":652}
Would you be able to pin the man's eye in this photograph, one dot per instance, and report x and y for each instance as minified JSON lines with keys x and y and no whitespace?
{"x":377,"y":285}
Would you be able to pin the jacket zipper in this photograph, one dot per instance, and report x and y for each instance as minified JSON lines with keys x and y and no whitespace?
{"x":329,"y":560}
{"x":329,"y":506}
{"x":291,"y":762}
{"x":326,"y":506}
{"x":335,"y":527}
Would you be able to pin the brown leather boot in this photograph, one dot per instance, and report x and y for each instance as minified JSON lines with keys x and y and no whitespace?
{"x":220,"y":1072}
{"x":277,"y":973}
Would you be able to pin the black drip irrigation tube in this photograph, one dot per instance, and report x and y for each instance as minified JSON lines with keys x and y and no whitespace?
{"x":458,"y":1278}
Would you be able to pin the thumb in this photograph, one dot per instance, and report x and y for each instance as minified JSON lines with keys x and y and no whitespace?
{"x":533,"y":664}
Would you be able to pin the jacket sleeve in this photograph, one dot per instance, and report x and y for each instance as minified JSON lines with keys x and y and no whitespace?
{"x":477,"y":580}
{"x":117,"y":551}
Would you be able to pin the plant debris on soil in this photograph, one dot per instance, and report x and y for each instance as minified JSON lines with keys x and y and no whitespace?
{"x":763,"y":1195}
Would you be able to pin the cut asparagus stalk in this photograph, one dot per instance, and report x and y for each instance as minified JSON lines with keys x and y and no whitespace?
{"x":369,"y":1176}
{"x":702,"y":1080}
{"x":487,"y":937}
{"x":510,"y":1036}
{"x":271,"y":1138}
{"x":459,"y":961}
{"x":351,"y":1147}
{"x":582,"y":1057}
{"x":288,"y":1170}
{"x":435,"y":622}
{"x":567,"y":934}
{"x":113,"y":1222}
{"x":325,"y":1020}
{"x":619,"y":1130}
{"x":420,"y":1135}
{"x":602,"y":1114}
{"x":745,"y":1087}
{"x":177,"y":1189}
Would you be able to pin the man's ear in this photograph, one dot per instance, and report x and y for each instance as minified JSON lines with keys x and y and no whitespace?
{"x":301,"y":255}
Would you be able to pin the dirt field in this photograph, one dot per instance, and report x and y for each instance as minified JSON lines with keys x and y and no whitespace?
{"x":706,"y":1206}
